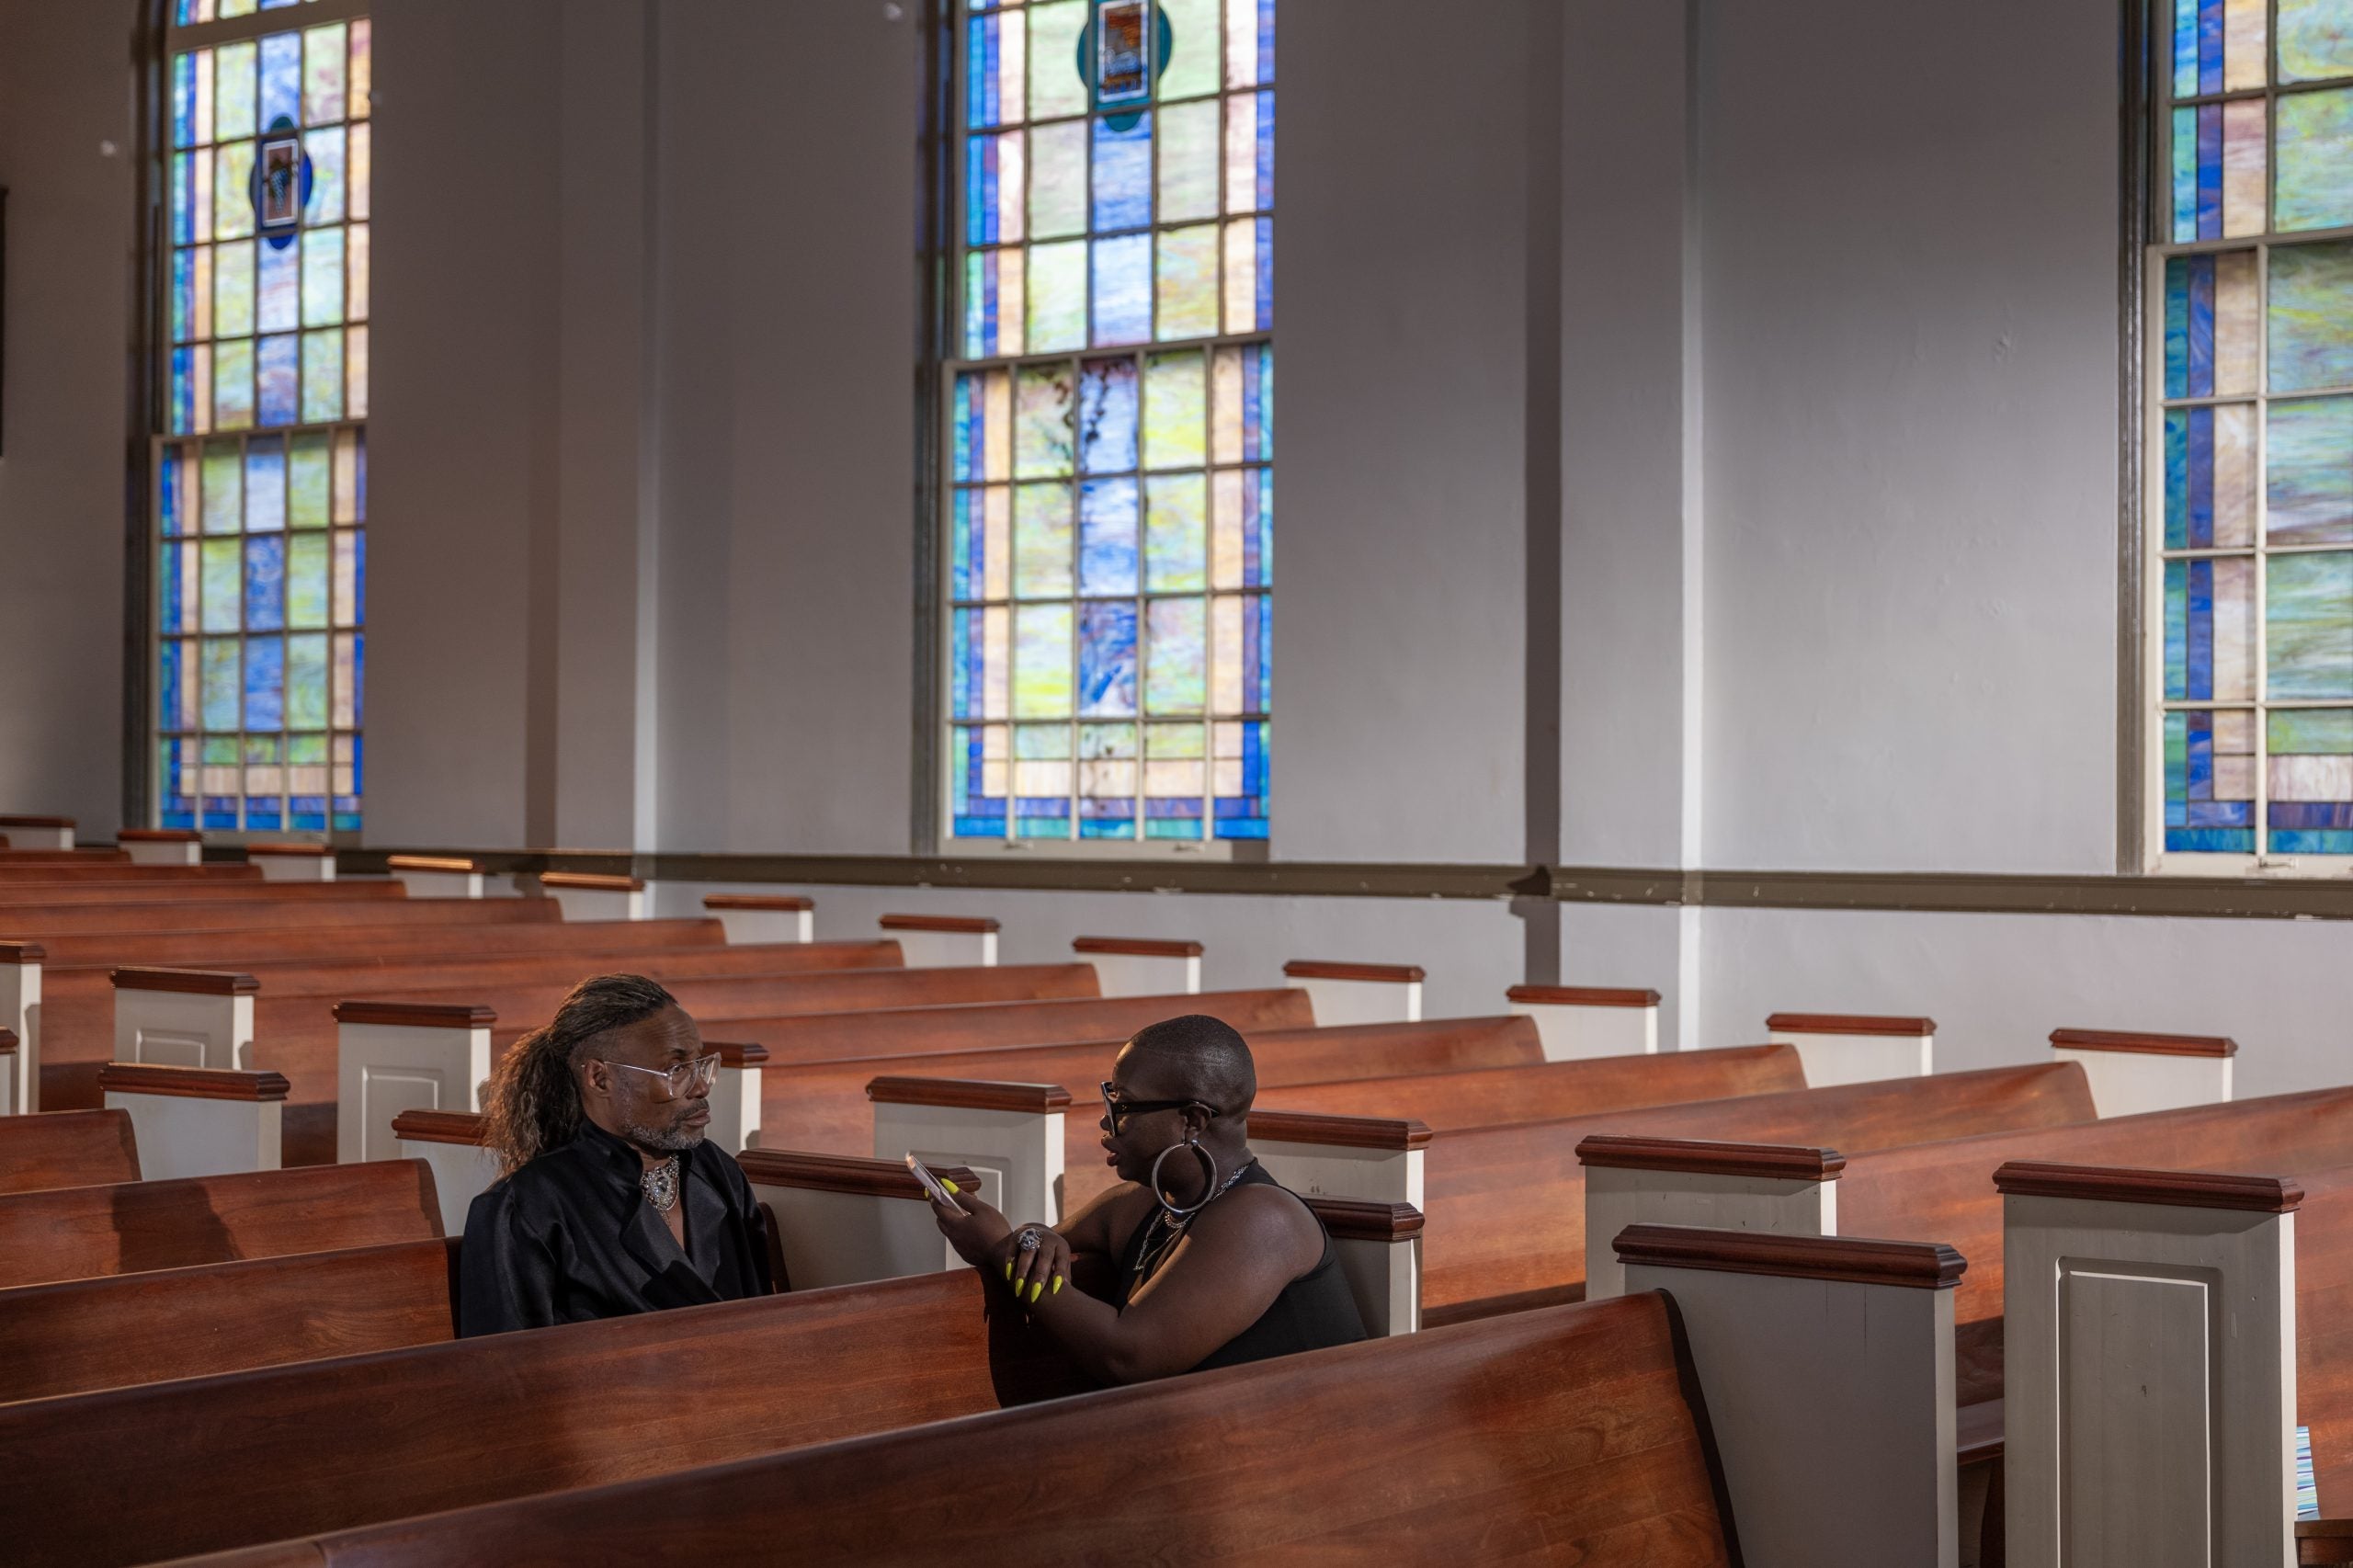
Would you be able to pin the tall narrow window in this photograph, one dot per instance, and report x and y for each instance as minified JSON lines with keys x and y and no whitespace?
{"x":1111,"y":422}
{"x":261,"y":464}
{"x":2251,"y":364}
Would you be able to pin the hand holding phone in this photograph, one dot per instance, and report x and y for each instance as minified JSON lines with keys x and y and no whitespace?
{"x":933,"y":1186}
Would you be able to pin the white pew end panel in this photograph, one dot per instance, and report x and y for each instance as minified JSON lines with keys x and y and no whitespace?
{"x":397,"y":1056}
{"x":1769,"y":1189}
{"x":292,"y":862}
{"x":2131,"y":1073}
{"x":1141,"y":966}
{"x":1359,"y":992}
{"x":1010,"y":1135}
{"x":184,"y":1018}
{"x":1852,"y":1048}
{"x":197,"y":1121}
{"x":437,"y":876}
{"x":587,"y":895}
{"x":943,"y":941}
{"x":1578,"y":1021}
{"x":752,"y":918}
{"x":162,"y":845}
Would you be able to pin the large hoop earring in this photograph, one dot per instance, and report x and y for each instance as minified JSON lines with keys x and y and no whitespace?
{"x":1209,"y":1189}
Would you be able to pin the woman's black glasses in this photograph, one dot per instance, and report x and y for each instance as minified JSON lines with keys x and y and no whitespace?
{"x":1118,"y":1111}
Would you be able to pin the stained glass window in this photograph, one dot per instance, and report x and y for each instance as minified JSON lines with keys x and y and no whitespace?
{"x":261,"y":500}
{"x":1110,"y":508}
{"x":2251,"y":362}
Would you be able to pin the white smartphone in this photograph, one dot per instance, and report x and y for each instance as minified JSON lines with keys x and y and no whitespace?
{"x":932,"y":1185}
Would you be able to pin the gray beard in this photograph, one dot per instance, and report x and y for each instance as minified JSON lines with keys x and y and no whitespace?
{"x":666,"y":1141}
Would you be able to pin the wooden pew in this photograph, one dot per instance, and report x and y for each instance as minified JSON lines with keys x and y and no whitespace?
{"x":66,"y":913}
{"x":80,"y":1232}
{"x":387,"y":945}
{"x":74,"y":1148}
{"x":1627,"y":1474}
{"x":191,"y":884}
{"x":109,"y":873}
{"x":21,"y":831}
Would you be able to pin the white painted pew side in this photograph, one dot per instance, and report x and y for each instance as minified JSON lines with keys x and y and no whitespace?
{"x":37,"y":833}
{"x":184,"y":1018}
{"x":1827,"y":1369}
{"x":20,"y":1014}
{"x":1578,"y":1021}
{"x":450,"y":1141}
{"x":843,"y":1221}
{"x":1761,"y":1189}
{"x":1367,"y":1159}
{"x":1853,"y":1047}
{"x":1378,"y":1246}
{"x":1009,"y":1134}
{"x":292,"y":862}
{"x":736,"y":1094}
{"x":2131,"y":1071}
{"x":1359,"y":992}
{"x":943,"y":941}
{"x":437,"y":876}
{"x":397,"y":1056}
{"x":197,"y":1121}
{"x":8,"y":1050}
{"x":161,"y":845}
{"x":1141,"y":966}
{"x":2149,"y":1367}
{"x":764,"y":917}
{"x":585,"y":895}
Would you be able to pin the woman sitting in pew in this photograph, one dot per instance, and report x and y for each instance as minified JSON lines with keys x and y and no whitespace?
{"x":1199,"y":1259}
{"x":612,"y":1201}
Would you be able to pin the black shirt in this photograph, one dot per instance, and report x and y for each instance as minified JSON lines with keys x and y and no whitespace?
{"x":1313,"y":1311}
{"x":571,"y":1237}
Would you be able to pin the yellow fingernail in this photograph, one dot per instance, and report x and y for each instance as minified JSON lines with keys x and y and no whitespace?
{"x":1009,"y":1269}
{"x":949,"y":1185}
{"x":1037,"y":1289}
{"x":1058,"y":1284}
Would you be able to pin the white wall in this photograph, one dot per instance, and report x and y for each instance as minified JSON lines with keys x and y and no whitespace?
{"x":65,"y":88}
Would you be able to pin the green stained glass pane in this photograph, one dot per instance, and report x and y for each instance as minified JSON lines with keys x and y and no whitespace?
{"x":306,"y":688}
{"x":1176,"y":410}
{"x":233,"y":209}
{"x":2310,"y":625}
{"x":223,"y":583}
{"x":1055,"y":87}
{"x":233,"y":290}
{"x":1175,"y":656}
{"x":2315,"y":40}
{"x":1042,"y":432}
{"x":221,"y":687}
{"x":306,"y":580}
{"x":2315,"y":172}
{"x":1057,"y":315}
{"x":323,"y":278}
{"x":2309,"y":463}
{"x":1185,"y":282}
{"x":1058,"y":180}
{"x":1189,"y":162}
{"x":1041,"y":541}
{"x":224,"y":487}
{"x":309,"y":473}
{"x":2312,"y":316}
{"x":233,"y":97}
{"x":1175,"y":530}
{"x":232,"y":385}
{"x":2309,"y":732}
{"x":1193,"y":48}
{"x":1041,"y":675}
{"x":322,"y":376}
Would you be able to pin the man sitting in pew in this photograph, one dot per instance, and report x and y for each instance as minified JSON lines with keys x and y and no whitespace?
{"x":612,"y":1201}
{"x":1199,"y":1259}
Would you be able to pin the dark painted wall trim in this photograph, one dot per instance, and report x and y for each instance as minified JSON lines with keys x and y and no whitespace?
{"x":1900,"y":891}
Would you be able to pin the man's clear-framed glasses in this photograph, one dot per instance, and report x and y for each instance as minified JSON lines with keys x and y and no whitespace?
{"x":687,"y":1080}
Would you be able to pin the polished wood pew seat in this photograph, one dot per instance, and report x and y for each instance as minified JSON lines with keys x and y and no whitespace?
{"x":156,"y":885}
{"x":78,"y":1148}
{"x":245,"y":948}
{"x":48,"y":919}
{"x":80,"y":1232}
{"x":1568,"y":1436}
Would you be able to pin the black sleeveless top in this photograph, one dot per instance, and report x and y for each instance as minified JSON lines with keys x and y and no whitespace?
{"x":1314,"y":1310}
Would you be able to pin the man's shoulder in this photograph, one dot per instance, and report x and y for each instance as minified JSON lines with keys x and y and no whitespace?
{"x":720,"y":1165}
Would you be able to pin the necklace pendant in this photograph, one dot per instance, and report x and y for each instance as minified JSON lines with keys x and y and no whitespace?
{"x":661,"y":1185}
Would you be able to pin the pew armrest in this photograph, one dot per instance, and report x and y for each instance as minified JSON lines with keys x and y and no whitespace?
{"x":437,"y":876}
{"x":944,"y":941}
{"x":37,"y":833}
{"x":1777,"y":1189}
{"x":398,"y":1056}
{"x":1009,"y":1134}
{"x":292,"y":862}
{"x":1378,"y":1246}
{"x":751,"y":917}
{"x":1827,"y":1368}
{"x":1133,"y":966}
{"x":2131,"y":1073}
{"x":585,"y":895}
{"x":1359,"y":992}
{"x":20,"y":1012}
{"x":197,"y":1121}
{"x":1854,"y":1048}
{"x":161,"y":845}
{"x":841,"y":1220}
{"x":1578,"y":1021}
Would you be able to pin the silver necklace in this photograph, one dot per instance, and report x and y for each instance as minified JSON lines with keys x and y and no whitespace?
{"x":661,"y":1185}
{"x":1171,"y":1228}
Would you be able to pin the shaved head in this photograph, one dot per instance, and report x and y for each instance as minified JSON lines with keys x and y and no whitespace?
{"x":1194,"y":1057}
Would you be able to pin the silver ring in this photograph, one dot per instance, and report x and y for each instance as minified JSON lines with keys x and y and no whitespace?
{"x":1028,"y":1240}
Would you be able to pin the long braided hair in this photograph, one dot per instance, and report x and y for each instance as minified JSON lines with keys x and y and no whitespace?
{"x":533,"y":1105}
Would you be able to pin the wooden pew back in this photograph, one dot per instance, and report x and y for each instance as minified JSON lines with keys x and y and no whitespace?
{"x":51,"y":917}
{"x":74,"y":1148}
{"x":246,"y":949}
{"x":80,"y":1232}
{"x":1570,"y":1435}
{"x":123,"y":1329}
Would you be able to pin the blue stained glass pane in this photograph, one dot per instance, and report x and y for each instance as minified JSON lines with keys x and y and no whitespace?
{"x":184,"y":100}
{"x":183,"y":391}
{"x":2314,"y":178}
{"x":184,"y":199}
{"x":2185,"y":174}
{"x":282,"y":79}
{"x":1258,"y":403}
{"x":1107,"y":416}
{"x":183,"y":293}
{"x":2211,"y":840}
{"x":1107,"y":549}
{"x":2209,"y":171}
{"x":980,"y":190}
{"x":1265,"y":273}
{"x":2200,"y":497}
{"x":2310,"y":471}
{"x":358,"y":690}
{"x":220,"y":682}
{"x":279,"y":380}
{"x":265,"y":485}
{"x":167,"y":686}
{"x":1257,"y":652}
{"x":264,"y":683}
{"x":1123,"y":175}
{"x":980,"y":72}
{"x":1266,"y":40}
{"x":1266,"y":150}
{"x":2177,"y":460}
{"x":2210,"y":46}
{"x":278,"y":297}
{"x":2177,"y":273}
{"x":1258,"y":544}
{"x":1107,"y":659}
{"x":1123,"y":289}
{"x":360,"y":578}
{"x":169,"y":485}
{"x":265,"y":583}
{"x":2309,"y":616}
{"x":2176,"y":596}
{"x":2311,"y":318}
